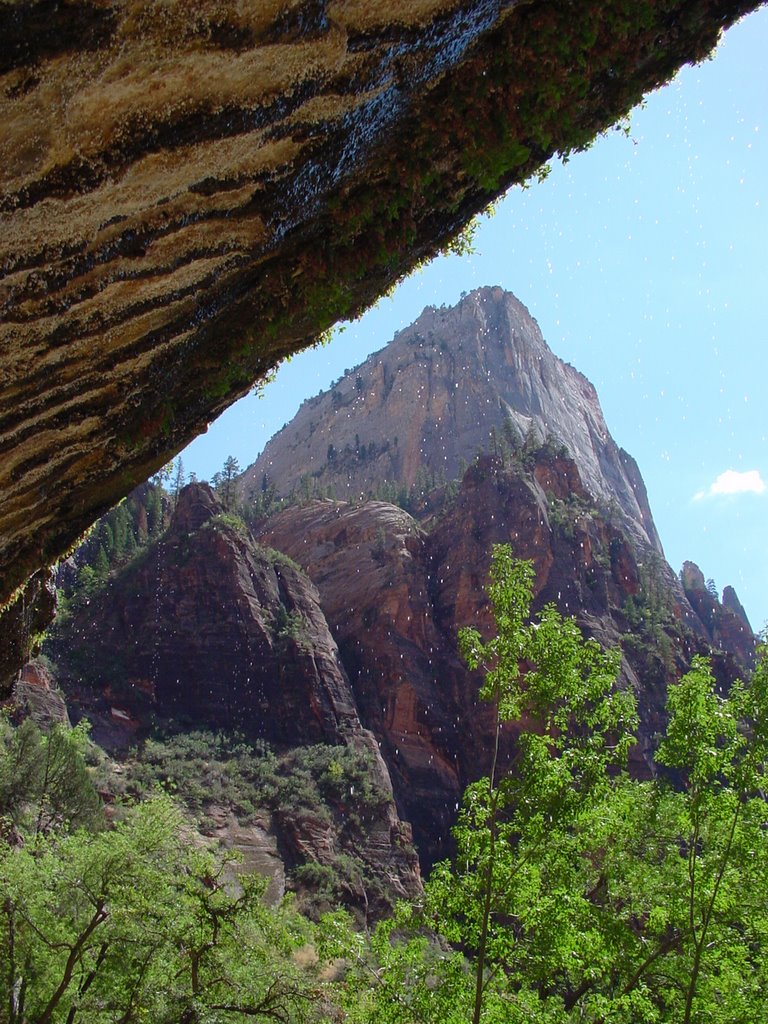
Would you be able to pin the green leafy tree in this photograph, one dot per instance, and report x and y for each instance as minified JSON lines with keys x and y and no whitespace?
{"x":44,"y":781}
{"x":130,"y":925}
{"x":579,"y":728}
{"x":719,"y":747}
{"x":577,"y":893}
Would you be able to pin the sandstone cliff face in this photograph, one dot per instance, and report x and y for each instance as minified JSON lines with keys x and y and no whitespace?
{"x":189,"y":192}
{"x":726,"y":624}
{"x":395,"y":597}
{"x":474,"y":376}
{"x":36,"y":695}
{"x":370,"y":565}
{"x":208,"y":629}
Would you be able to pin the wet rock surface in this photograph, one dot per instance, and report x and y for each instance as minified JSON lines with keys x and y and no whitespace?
{"x":29,"y":614}
{"x":36,"y":695}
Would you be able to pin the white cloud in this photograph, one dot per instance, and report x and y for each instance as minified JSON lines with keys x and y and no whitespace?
{"x":733,"y":482}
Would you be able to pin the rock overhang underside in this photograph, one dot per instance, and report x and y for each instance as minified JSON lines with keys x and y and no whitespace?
{"x":192,"y":191}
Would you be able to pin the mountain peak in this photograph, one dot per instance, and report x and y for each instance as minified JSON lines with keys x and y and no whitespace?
{"x":457,"y":381}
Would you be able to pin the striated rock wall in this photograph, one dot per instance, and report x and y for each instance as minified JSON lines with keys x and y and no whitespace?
{"x":190,"y":191}
{"x":371,"y":568}
{"x":35,"y":694}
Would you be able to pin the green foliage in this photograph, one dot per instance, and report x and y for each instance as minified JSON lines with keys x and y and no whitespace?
{"x":132,"y":925}
{"x":230,"y":520}
{"x":290,"y":627}
{"x":651,"y":618}
{"x":279,"y":558}
{"x":321,"y":786}
{"x":116,"y":540}
{"x":391,"y":979}
{"x":576,"y":893}
{"x":204,"y":769}
{"x":44,"y":782}
{"x":580,"y":727}
{"x":565,"y":515}
{"x":226,"y":483}
{"x":262,"y":502}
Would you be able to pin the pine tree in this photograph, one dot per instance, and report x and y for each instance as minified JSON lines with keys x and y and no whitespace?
{"x":178,"y":481}
{"x":228,"y":485}
{"x":101,"y":564}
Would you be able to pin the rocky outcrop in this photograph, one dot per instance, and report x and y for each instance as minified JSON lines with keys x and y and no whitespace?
{"x":370,"y":565}
{"x":725,"y":624}
{"x":36,"y":695}
{"x":255,"y":844}
{"x":477,"y":376}
{"x":210,"y":629}
{"x":733,"y":604}
{"x":395,"y":597}
{"x":26,"y":616}
{"x":377,"y":837}
{"x":191,"y":192}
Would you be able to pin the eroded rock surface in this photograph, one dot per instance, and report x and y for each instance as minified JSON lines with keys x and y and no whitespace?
{"x":190,"y":192}
{"x":27,"y":615}
{"x":371,"y":567}
{"x":35,"y":694}
{"x":395,"y":597}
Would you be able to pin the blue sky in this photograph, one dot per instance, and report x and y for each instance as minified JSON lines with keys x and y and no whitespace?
{"x":645,"y":262}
